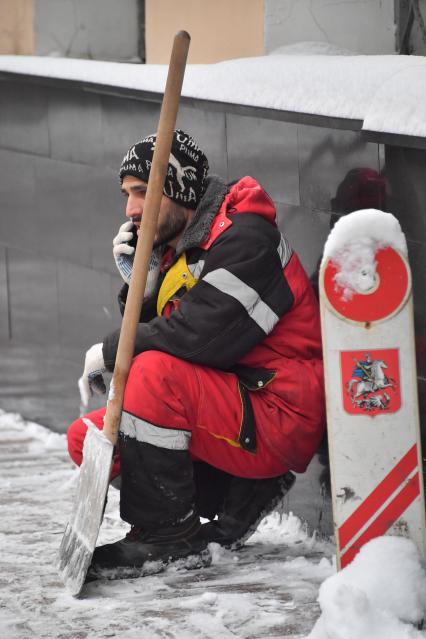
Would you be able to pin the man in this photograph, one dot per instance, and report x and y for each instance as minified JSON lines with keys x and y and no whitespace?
{"x":362,"y":369}
{"x":225,"y":394}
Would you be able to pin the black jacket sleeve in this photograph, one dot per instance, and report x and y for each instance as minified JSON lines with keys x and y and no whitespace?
{"x":149,"y":307}
{"x":240,"y":296}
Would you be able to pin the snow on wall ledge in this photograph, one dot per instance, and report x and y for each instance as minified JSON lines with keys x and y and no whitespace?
{"x":387,"y":92}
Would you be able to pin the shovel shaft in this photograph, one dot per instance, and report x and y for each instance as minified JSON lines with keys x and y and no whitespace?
{"x":143,"y":252}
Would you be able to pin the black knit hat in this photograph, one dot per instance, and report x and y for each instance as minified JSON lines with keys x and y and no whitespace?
{"x":186,"y":172}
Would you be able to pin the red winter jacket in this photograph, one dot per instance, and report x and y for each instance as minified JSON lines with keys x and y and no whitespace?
{"x":236,"y":297}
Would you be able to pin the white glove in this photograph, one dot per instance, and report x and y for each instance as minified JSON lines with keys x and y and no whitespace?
{"x":123,"y":252}
{"x":92,"y":381}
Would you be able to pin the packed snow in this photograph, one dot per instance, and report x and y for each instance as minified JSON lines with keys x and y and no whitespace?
{"x":267,"y":589}
{"x":377,"y":596}
{"x":354,"y":251}
{"x":387,"y":92}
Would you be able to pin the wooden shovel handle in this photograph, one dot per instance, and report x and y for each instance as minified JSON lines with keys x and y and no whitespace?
{"x":166,"y":126}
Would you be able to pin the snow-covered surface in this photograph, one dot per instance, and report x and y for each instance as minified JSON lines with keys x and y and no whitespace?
{"x":387,"y":92}
{"x":311,"y":48}
{"x":268,"y":589}
{"x":353,"y":249}
{"x":376,"y":595}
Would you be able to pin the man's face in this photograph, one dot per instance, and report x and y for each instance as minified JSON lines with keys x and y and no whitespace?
{"x":172,"y":218}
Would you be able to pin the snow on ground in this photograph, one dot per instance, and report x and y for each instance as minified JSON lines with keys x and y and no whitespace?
{"x":388,"y":92}
{"x":267,"y":589}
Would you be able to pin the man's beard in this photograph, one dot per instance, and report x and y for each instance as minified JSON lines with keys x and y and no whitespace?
{"x":172,"y":226}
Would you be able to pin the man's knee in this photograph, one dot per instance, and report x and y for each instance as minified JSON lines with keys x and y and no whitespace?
{"x":75,"y":438}
{"x":152,"y":367}
{"x":77,"y":432}
{"x":162,"y":389}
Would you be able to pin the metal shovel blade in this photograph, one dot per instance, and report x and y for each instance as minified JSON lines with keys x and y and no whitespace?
{"x":81,"y":533}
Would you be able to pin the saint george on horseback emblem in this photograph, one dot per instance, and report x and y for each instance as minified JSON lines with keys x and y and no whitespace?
{"x":370,"y":381}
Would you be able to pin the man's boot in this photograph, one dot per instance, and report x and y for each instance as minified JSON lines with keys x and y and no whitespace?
{"x":246,"y":503}
{"x":211,"y":487}
{"x":143,"y":552}
{"x":157,"y":498}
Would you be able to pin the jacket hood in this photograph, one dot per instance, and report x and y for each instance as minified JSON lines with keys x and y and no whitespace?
{"x":247,"y":196}
{"x":198,"y":230}
{"x":244,"y":196}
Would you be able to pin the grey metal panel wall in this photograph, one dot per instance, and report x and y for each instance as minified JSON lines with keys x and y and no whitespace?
{"x":124,"y":121}
{"x":60,"y":206}
{"x":267,"y":150}
{"x":405,"y":170}
{"x":33,"y":298}
{"x":326,"y":156}
{"x":209,"y":129}
{"x":4,"y":297}
{"x":23,"y":121}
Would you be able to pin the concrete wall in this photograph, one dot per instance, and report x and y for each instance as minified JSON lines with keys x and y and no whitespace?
{"x":60,"y":206}
{"x":94,"y":29}
{"x":411,"y":26}
{"x":220,"y":30}
{"x":366,"y":27}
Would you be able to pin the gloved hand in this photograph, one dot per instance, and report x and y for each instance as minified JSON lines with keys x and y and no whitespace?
{"x":123,"y":252}
{"x":92,"y":380}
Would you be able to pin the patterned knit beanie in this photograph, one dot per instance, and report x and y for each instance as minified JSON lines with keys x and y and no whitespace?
{"x":186,"y":171}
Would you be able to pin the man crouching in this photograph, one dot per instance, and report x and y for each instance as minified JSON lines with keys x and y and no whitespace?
{"x":225,"y":393}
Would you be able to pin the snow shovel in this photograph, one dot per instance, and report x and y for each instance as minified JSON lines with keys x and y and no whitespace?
{"x":81,"y":533}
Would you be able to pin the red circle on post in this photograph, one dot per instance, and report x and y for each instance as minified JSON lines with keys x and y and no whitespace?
{"x":384,"y":301}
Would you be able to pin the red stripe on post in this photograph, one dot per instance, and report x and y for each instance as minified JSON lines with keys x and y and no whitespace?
{"x":386,"y":518}
{"x":377,"y":497}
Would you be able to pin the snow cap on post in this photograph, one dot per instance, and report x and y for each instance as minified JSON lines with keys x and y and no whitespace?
{"x":353,"y":244}
{"x":383,"y":229}
{"x":186,"y":172}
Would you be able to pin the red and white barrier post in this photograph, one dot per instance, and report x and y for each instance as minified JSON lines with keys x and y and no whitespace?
{"x":371,"y":383}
